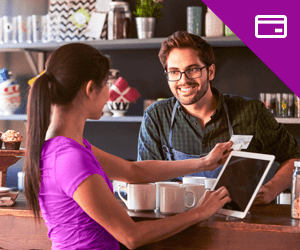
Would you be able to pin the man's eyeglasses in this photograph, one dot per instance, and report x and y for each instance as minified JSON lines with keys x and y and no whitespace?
{"x":191,"y":73}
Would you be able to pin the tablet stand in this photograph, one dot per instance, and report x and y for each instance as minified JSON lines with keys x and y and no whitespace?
{"x":237,"y":218}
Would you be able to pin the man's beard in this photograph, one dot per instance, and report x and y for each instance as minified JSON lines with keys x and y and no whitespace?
{"x":197,"y":96}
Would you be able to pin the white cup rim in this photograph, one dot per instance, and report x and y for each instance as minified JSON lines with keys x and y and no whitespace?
{"x":141,"y":184}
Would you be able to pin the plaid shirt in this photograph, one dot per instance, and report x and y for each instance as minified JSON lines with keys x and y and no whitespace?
{"x":247,"y":116}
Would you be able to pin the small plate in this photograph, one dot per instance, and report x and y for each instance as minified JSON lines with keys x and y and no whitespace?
{"x":4,"y":189}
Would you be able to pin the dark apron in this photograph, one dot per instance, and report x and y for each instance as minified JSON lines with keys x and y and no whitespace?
{"x":172,"y":154}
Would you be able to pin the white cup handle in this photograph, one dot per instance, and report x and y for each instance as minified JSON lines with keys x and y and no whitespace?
{"x":121,"y":197}
{"x":194,"y":201}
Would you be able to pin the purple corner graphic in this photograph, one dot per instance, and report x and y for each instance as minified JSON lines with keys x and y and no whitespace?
{"x":257,"y":23}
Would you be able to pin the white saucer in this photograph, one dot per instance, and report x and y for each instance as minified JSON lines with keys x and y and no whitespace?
{"x":4,"y":189}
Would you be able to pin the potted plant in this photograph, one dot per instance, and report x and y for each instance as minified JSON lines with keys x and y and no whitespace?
{"x":147,"y":11}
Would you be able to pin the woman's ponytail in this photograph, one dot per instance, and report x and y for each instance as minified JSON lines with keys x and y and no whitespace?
{"x":38,"y":120}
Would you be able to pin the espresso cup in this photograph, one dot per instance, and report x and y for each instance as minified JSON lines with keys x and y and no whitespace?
{"x":158,"y":185}
{"x":139,"y":196}
{"x":209,"y":183}
{"x":193,"y":180}
{"x":199,"y":191}
{"x":173,"y":200}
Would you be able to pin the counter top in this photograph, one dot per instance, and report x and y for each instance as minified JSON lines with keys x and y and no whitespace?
{"x":266,"y":227}
{"x":19,"y":209}
{"x":270,"y":217}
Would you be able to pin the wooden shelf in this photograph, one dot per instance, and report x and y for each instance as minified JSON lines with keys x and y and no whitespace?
{"x":102,"y":119}
{"x":4,"y":152}
{"x":119,"y":44}
{"x":290,"y":120}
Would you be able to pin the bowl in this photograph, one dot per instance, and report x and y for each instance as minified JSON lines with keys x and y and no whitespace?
{"x":118,"y":108}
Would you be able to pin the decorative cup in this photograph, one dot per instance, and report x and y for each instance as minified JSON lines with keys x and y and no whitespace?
{"x":10,"y":99}
{"x":173,"y":200}
{"x":139,"y":196}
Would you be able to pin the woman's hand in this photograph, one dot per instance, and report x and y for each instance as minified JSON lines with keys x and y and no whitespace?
{"x":218,"y":155}
{"x":212,"y":202}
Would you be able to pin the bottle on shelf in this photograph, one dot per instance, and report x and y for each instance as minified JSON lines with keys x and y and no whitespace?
{"x":213,"y":24}
{"x":295,"y":208}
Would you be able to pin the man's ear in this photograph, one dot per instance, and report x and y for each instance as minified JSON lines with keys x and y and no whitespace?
{"x":211,"y":72}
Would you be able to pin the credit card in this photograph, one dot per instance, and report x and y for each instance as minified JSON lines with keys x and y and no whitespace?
{"x":243,"y":140}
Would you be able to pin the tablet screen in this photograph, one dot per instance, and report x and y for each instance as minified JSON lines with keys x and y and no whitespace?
{"x":241,"y":178}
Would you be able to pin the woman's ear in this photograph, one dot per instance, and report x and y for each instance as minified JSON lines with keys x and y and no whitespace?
{"x":89,"y":88}
{"x":211,"y":72}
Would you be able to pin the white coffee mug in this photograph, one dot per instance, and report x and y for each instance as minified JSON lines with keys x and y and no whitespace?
{"x":139,"y":196}
{"x":199,"y":191}
{"x":193,"y":180}
{"x":209,"y":183}
{"x":158,"y":185}
{"x":173,"y":199}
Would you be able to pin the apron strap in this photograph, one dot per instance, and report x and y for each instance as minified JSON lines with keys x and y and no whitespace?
{"x":171,"y":125}
{"x":229,"y":123}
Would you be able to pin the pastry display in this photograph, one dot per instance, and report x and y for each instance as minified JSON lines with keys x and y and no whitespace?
{"x":12,"y":140}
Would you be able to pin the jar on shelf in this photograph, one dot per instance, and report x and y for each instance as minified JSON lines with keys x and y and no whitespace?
{"x":213,"y":24}
{"x":119,"y":20}
{"x":295,"y":208}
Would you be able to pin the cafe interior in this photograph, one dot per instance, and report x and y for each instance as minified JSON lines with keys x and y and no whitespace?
{"x":239,"y":72}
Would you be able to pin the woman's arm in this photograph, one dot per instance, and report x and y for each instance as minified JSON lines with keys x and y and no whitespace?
{"x":97,"y":200}
{"x":154,"y":170}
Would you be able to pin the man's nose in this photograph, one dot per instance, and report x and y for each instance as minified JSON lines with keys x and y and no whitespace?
{"x":183,"y":77}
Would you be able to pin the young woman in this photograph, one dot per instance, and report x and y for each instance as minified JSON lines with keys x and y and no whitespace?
{"x":68,"y":180}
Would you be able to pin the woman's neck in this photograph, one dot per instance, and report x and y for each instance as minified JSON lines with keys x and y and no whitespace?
{"x":67,"y":123}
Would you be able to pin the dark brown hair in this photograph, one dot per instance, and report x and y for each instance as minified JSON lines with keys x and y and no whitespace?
{"x":183,"y":39}
{"x":67,"y":69}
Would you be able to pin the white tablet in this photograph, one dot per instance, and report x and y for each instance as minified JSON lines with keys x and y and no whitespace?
{"x":242,"y":174}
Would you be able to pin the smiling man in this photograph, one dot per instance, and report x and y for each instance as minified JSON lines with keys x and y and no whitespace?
{"x":198,"y":117}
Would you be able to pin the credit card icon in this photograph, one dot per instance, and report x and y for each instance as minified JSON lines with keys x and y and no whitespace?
{"x":270,"y":26}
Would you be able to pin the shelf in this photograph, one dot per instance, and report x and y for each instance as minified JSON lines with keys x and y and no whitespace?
{"x":118,"y":119}
{"x":102,"y":119}
{"x":5,"y":153}
{"x":132,"y":119}
{"x":134,"y":43}
{"x":13,"y":117}
{"x":288,"y":120}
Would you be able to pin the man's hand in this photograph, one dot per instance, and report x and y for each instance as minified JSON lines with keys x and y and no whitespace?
{"x":264,"y":196}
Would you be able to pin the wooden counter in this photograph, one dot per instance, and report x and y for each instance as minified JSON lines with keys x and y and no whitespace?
{"x":268,"y":227}
{"x":18,"y":229}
